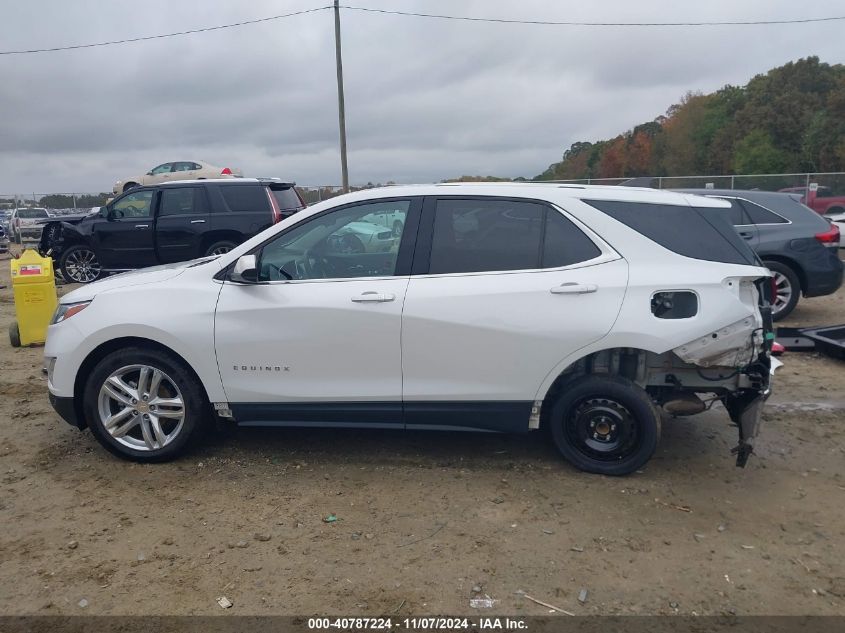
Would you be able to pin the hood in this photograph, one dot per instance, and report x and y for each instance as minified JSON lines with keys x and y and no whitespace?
{"x":152,"y":275}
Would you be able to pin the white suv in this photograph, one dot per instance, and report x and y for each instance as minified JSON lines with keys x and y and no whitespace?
{"x":501,"y":307}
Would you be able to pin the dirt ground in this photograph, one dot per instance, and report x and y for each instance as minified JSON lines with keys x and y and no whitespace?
{"x":426,"y":521}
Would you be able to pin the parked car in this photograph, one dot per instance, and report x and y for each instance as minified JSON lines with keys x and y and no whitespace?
{"x":579,"y":309}
{"x":179,"y":170}
{"x":800,"y":247}
{"x":4,"y":240}
{"x":821,"y":200}
{"x":24,"y":223}
{"x":5,"y":217}
{"x":166,"y":223}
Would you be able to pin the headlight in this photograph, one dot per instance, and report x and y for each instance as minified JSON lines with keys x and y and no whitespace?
{"x":67,"y":310}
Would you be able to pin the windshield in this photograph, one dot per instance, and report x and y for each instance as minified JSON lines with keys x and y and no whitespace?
{"x":32,"y":214}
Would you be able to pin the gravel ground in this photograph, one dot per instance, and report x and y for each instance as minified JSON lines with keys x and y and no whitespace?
{"x":426,"y":521}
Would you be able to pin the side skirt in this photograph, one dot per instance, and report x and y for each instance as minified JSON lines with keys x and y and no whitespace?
{"x":495,"y":416}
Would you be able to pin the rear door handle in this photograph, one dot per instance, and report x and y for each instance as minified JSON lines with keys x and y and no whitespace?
{"x":373,"y":297}
{"x":197,"y":221}
{"x":746,"y":236}
{"x":573,"y":288}
{"x":142,"y":226}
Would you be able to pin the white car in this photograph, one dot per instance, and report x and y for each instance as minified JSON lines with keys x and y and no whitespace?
{"x":506,"y":307}
{"x":179,"y":170}
{"x":24,"y":223}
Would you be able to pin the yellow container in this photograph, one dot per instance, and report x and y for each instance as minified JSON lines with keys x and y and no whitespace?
{"x":34,"y":288}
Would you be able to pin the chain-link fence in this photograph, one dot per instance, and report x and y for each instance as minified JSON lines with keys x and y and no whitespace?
{"x":828,"y":184}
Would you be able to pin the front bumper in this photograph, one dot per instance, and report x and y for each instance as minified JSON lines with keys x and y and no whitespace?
{"x":66,"y":408}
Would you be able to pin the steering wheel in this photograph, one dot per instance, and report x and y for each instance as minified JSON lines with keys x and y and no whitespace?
{"x":282,"y":273}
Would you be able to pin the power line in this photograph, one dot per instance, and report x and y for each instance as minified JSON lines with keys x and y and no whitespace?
{"x":425,"y":15}
{"x":164,"y":35}
{"x":574,"y":23}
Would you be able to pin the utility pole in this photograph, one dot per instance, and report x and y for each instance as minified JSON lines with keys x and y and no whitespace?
{"x":341,"y":110}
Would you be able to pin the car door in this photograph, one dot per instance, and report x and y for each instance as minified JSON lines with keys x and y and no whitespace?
{"x":162,"y":173}
{"x":181,"y":220}
{"x":184,"y":170}
{"x":125,"y":240}
{"x":317,"y":338}
{"x":503,"y":290}
{"x":738,"y":216}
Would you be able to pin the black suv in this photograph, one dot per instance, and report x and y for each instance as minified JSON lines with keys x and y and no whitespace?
{"x":164,"y":223}
{"x":799,"y":246}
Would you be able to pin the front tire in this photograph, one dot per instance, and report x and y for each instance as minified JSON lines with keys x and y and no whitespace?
{"x":80,"y":264}
{"x":144,"y":405}
{"x":129,"y":185}
{"x":788,"y":288}
{"x":605,"y":425}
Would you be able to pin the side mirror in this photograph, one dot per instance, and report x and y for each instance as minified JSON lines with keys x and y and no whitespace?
{"x":245,"y":270}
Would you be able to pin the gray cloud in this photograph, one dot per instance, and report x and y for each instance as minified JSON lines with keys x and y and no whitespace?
{"x":426,"y":99}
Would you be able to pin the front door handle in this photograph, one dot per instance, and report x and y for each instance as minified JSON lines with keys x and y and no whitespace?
{"x":373,"y":297}
{"x":746,"y":236}
{"x":142,"y":226}
{"x":197,"y":221}
{"x":573,"y":288}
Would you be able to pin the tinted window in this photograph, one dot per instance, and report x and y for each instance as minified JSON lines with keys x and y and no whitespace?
{"x":700,"y":233}
{"x":176,"y":201}
{"x":245,"y":198}
{"x":286,"y":199}
{"x":565,"y":244}
{"x":32,"y":214}
{"x":735,"y":214}
{"x":759,"y":215}
{"x":134,"y":205}
{"x":485,"y":235}
{"x":340,"y":244}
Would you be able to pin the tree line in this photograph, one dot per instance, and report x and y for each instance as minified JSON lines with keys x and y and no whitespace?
{"x":791,"y":119}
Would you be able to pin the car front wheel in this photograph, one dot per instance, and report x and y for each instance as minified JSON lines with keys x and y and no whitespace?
{"x":79,"y":264}
{"x":144,"y":405}
{"x":605,"y":424}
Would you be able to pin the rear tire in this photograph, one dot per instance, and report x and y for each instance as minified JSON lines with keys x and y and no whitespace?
{"x":605,"y":425}
{"x":14,"y":334}
{"x":788,"y":290}
{"x":219,"y":248}
{"x":144,"y":430}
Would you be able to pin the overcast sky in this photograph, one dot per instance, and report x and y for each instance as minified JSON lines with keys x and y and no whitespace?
{"x":425,"y":99}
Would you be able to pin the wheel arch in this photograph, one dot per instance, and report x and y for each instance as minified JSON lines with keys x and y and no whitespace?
{"x":113,"y":345}
{"x":221,"y":235}
{"x":610,"y":361}
{"x":793,"y":265}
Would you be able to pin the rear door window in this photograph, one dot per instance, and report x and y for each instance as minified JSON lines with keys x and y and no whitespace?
{"x":697,"y":232}
{"x":245,"y":198}
{"x":487,"y":235}
{"x":564,"y":243}
{"x":761,"y":215}
{"x":179,"y":201}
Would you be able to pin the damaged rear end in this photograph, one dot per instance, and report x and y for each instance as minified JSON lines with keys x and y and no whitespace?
{"x":710,"y":329}
{"x":734,"y":363}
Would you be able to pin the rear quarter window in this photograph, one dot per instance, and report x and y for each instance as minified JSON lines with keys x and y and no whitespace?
{"x":287,"y":199}
{"x":699,"y":233}
{"x":245,"y":198}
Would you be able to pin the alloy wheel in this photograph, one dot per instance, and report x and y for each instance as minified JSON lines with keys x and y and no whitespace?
{"x":220,"y":250}
{"x":783,"y":289}
{"x":82,"y":266}
{"x":141,"y":407}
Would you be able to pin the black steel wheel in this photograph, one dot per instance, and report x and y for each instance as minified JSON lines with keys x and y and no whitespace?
{"x":605,"y":424}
